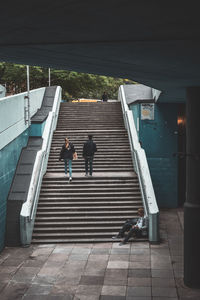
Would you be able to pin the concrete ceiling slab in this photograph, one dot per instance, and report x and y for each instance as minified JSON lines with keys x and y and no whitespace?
{"x":155,"y":43}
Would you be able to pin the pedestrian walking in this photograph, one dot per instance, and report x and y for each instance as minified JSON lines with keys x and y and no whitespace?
{"x":67,"y":152}
{"x":89,"y":148}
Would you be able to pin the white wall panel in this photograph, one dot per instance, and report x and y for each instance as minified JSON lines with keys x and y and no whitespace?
{"x":12,"y":122}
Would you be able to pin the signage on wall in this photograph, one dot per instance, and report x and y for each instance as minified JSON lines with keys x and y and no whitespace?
{"x":147,"y":111}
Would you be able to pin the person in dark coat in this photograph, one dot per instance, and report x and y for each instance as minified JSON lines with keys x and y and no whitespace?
{"x":89,"y":148}
{"x":135,"y":227}
{"x":104,"y":97}
{"x":66,"y":154}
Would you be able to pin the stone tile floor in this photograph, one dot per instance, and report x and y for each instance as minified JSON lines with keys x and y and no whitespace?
{"x":105,"y":271}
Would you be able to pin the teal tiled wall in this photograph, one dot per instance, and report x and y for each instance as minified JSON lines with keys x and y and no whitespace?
{"x":136,"y":113}
{"x":159,"y":140}
{"x":9,"y":156}
{"x":37,"y":129}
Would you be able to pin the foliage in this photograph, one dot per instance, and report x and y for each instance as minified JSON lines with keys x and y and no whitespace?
{"x":74,"y":85}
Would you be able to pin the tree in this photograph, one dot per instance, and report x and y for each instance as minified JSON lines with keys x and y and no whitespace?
{"x":74,"y":85}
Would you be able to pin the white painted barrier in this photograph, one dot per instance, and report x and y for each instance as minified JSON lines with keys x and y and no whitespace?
{"x":141,"y":168}
{"x":28,"y":211}
{"x":12,"y":114}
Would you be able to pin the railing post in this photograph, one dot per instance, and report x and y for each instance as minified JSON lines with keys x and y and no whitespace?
{"x":154,"y":228}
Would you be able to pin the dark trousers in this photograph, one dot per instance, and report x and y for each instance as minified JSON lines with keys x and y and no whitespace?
{"x":89,"y":160}
{"x":133,"y":231}
{"x":127,"y":227}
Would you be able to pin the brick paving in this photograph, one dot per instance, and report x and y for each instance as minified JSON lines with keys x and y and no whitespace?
{"x":104,"y":271}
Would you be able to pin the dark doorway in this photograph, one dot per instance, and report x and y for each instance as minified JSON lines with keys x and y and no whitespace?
{"x":181,"y":120}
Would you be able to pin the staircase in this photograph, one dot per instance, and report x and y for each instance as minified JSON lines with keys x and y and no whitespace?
{"x":88,"y":209}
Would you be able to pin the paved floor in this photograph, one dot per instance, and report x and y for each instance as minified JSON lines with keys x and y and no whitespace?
{"x":99,"y":271}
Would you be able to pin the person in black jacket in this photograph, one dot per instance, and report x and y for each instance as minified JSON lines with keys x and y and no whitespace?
{"x":89,"y":148}
{"x":66,"y":154}
{"x":104,"y":97}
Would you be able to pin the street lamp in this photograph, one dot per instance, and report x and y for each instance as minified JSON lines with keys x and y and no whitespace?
{"x":49,"y":77}
{"x":27,"y":98}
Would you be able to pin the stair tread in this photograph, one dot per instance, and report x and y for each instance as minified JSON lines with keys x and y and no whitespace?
{"x":44,"y":207}
{"x":82,"y":212}
{"x":77,"y":228}
{"x":90,"y":189}
{"x":89,"y":185}
{"x":88,"y":203}
{"x":93,"y":194}
{"x":74,"y":234}
{"x":79,"y":223}
{"x":104,"y":218}
{"x":88,"y":209}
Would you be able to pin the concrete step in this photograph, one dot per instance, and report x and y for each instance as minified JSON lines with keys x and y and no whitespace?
{"x":88,"y":209}
{"x":87,"y":194}
{"x":96,"y":166}
{"x":56,"y":143}
{"x":84,"y":209}
{"x":87,"y":203}
{"x":88,"y":218}
{"x":67,"y":230}
{"x":102,"y":125}
{"x":116,"y":119}
{"x":116,"y":149}
{"x":99,"y":156}
{"x":70,"y":189}
{"x":97,"y":160}
{"x":81,"y":214}
{"x":95,"y":170}
{"x":91,"y":181}
{"x":78,"y":224}
{"x":83,"y":235}
{"x":90,"y":199}
{"x":84,"y":185}
{"x":99,"y":134}
{"x":78,"y":240}
{"x":112,"y":122}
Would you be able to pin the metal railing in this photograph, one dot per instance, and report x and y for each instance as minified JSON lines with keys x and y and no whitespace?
{"x":142,"y":170}
{"x":28,"y":211}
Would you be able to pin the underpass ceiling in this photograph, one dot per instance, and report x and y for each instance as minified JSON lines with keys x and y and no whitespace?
{"x":155,"y":43}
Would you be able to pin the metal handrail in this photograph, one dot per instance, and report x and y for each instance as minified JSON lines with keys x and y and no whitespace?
{"x":141,"y":168}
{"x":28,"y":211}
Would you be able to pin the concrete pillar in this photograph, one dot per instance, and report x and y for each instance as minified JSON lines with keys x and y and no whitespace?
{"x":192,"y":205}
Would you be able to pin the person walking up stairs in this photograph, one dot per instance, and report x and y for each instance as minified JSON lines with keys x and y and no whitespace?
{"x":89,"y":148}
